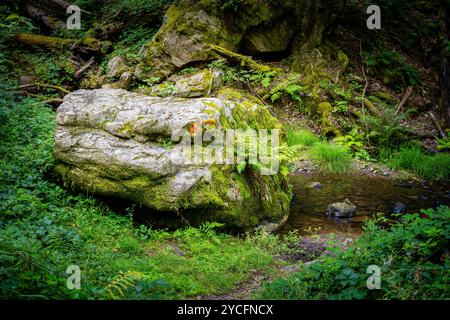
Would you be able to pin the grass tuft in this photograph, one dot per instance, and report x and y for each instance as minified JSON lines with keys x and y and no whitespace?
{"x":301,"y":137}
{"x":331,"y":158}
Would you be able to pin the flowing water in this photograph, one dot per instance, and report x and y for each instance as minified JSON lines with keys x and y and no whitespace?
{"x":369,"y":194}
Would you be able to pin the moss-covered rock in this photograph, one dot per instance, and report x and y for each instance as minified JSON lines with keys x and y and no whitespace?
{"x":116,"y":67}
{"x":201,"y":84}
{"x":117,"y":143}
{"x":250,"y":27}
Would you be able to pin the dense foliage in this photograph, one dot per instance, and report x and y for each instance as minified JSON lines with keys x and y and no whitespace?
{"x":348,"y":100}
{"x":412,"y":254}
{"x":44,"y":229}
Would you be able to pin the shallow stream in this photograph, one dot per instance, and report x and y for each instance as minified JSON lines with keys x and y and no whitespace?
{"x":369,"y":194}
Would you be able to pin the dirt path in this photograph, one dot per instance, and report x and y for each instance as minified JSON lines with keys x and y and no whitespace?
{"x":247,"y":289}
{"x":311,"y":250}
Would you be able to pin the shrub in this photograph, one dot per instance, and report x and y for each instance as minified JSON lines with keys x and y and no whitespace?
{"x":444,"y":143}
{"x":130,"y":42}
{"x":393,"y":68}
{"x":387,"y":129}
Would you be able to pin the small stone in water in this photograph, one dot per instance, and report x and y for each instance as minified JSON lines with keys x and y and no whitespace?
{"x":315,"y":185}
{"x":344,"y":209}
{"x":399,"y":208}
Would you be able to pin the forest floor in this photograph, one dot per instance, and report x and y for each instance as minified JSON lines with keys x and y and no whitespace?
{"x":350,"y":110}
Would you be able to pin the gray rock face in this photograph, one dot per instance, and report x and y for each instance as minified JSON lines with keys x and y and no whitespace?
{"x":116,"y":67}
{"x":117,"y":143}
{"x":276,"y":38}
{"x":344,"y":209}
{"x":201,"y":84}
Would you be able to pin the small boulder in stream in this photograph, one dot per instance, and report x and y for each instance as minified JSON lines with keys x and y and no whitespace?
{"x":315,"y":185}
{"x":399,"y":208}
{"x":344,"y":209}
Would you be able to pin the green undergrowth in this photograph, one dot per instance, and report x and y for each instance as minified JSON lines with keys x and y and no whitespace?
{"x":128,"y":8}
{"x":331,"y":158}
{"x":412,"y":256}
{"x":301,"y":137}
{"x":45,"y":229}
{"x":413,"y":159}
{"x":337,"y":158}
{"x":129,"y":43}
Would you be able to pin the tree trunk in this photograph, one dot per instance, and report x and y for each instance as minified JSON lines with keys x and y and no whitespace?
{"x":445,"y":72}
{"x":44,"y":18}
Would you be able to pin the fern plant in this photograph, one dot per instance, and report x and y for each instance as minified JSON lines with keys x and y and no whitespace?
{"x":119,"y":285}
{"x":208,"y":228}
{"x":290,"y":89}
{"x":387,"y":129}
{"x":354,"y":141}
{"x":444,"y":143}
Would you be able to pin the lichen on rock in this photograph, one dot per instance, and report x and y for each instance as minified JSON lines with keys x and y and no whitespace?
{"x":109,"y":142}
{"x":201,"y":84}
{"x":116,"y":66}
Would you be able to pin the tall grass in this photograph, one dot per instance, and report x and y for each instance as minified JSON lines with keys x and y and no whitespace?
{"x":331,"y":158}
{"x":301,"y":137}
{"x":413,"y":159}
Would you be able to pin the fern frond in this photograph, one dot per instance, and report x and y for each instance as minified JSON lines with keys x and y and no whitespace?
{"x":118,"y":286}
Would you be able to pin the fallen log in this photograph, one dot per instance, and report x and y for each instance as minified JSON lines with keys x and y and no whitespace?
{"x":373,"y":110}
{"x":437,"y":125}
{"x":54,"y":102}
{"x":64,"y":5}
{"x":39,"y":85}
{"x":404,"y":99}
{"x":245,"y":61}
{"x":90,"y":44}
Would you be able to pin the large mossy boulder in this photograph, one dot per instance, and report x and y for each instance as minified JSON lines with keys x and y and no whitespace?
{"x":116,"y":143}
{"x":251,"y":27}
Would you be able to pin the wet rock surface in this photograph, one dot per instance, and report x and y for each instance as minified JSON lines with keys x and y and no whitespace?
{"x":344,"y":209}
{"x":399,"y":208}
